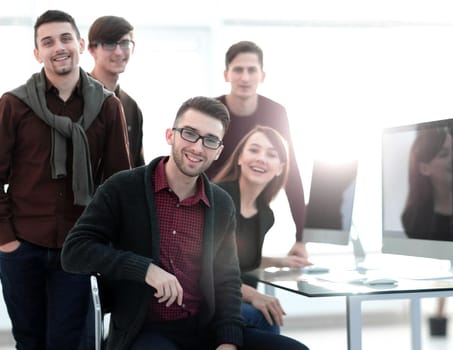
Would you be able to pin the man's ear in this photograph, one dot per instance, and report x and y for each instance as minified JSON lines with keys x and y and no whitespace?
{"x":82,"y":45}
{"x":92,"y":51}
{"x":219,"y":152}
{"x":225,"y":76}
{"x":36,"y":54}
{"x":169,"y":136}
{"x":263,"y":76}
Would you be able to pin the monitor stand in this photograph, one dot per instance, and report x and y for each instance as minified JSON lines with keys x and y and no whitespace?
{"x":362,"y":263}
{"x":359,"y":252}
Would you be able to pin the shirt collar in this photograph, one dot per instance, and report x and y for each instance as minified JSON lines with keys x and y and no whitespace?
{"x":51,"y":88}
{"x":161,"y":183}
{"x":117,"y":88}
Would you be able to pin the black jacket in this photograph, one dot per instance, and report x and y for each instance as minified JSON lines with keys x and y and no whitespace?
{"x":118,"y":237}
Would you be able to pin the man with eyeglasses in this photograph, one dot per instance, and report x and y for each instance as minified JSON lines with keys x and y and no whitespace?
{"x":211,"y":142}
{"x":163,"y":235}
{"x":111,"y":45}
{"x":58,"y":132}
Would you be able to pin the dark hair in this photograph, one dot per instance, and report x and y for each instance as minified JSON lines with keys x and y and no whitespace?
{"x":231,"y":171}
{"x":210,"y":106}
{"x":418,"y":213}
{"x":243,"y":47}
{"x":52,"y":16}
{"x":108,"y":29}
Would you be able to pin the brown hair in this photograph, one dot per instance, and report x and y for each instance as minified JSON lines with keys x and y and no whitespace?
{"x":418,"y":213}
{"x":108,"y":29}
{"x":231,"y":171}
{"x":52,"y":16}
{"x":207,"y":105}
{"x":243,"y":47}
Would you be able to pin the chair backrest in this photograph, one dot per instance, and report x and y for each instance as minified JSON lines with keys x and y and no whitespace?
{"x":98,"y":314}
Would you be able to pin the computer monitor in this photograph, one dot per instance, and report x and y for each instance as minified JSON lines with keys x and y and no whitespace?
{"x":330,"y":203}
{"x":417,"y":190}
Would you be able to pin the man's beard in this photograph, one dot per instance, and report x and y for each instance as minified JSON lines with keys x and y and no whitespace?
{"x":179,"y":161}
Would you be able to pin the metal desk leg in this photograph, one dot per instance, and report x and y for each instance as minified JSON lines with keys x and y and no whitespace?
{"x":354,"y":322}
{"x":416,"y":329}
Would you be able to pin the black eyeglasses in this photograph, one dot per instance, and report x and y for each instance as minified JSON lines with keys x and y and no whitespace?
{"x":210,"y":142}
{"x":124,"y":45}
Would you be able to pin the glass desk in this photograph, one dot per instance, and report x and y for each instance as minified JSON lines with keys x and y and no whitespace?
{"x":346,"y":284}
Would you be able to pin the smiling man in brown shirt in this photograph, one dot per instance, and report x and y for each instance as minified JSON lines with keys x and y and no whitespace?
{"x":58,"y":132}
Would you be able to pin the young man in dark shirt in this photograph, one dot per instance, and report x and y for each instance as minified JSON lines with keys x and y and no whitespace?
{"x":58,"y":132}
{"x":111,"y":44}
{"x":244,"y":71}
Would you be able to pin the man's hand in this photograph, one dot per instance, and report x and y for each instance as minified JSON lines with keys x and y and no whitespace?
{"x":9,"y":247}
{"x":166,"y":285}
{"x":226,"y":347}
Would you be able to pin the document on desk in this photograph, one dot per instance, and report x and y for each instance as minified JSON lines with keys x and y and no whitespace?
{"x":355,"y":277}
{"x":343,"y":277}
{"x":427,"y":275}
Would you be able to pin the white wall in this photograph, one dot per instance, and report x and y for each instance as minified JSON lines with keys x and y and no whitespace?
{"x":343,"y":69}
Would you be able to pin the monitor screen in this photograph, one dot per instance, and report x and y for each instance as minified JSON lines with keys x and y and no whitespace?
{"x":330,"y":204}
{"x":417,"y":190}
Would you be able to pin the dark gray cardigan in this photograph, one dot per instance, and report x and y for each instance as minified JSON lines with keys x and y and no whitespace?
{"x":117,"y":237}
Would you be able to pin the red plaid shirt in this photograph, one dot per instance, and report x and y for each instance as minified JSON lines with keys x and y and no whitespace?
{"x":181,"y":225}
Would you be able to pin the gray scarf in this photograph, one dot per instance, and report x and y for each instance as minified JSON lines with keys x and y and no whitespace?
{"x":94,"y":95}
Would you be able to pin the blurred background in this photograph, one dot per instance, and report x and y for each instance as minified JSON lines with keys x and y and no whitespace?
{"x":343,"y":69}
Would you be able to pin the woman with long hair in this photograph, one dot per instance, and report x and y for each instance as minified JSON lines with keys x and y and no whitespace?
{"x":429,"y":208}
{"x":253,"y":175}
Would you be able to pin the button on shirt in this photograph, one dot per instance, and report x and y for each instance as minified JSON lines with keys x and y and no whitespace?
{"x":181,"y":225}
{"x":36,"y":207}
